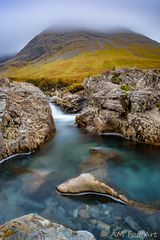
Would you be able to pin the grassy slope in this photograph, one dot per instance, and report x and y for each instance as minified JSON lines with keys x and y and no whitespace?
{"x":86,"y":64}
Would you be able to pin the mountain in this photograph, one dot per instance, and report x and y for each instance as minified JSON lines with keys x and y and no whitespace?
{"x":53,"y":57}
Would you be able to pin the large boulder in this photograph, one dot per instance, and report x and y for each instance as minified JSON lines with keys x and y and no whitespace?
{"x":70,"y":102}
{"x":124,"y":101}
{"x":26,"y":120}
{"x":86,"y":183}
{"x":32,"y":226}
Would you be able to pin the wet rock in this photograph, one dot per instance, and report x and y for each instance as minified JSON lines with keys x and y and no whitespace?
{"x":132,"y":223}
{"x":33,"y":181}
{"x":154,"y":222}
{"x":123,"y":101}
{"x":117,"y":229}
{"x":87,"y":183}
{"x":86,"y":119}
{"x":118,"y":218}
{"x":48,"y":213}
{"x":107,"y":208}
{"x":93,"y":221}
{"x":50,"y":202}
{"x":26,"y":120}
{"x":33,"y":226}
{"x":75,"y":213}
{"x":61,"y":211}
{"x":104,"y":227}
{"x":94,"y":212}
{"x":107,"y":212}
{"x":71,"y":103}
{"x":1,"y":143}
{"x":107,"y":219}
{"x":96,"y":163}
{"x":83,"y":213}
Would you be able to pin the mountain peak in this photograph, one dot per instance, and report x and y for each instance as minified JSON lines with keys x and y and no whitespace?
{"x":73,"y":55}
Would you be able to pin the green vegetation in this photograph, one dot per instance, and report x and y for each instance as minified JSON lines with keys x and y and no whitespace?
{"x":126,"y":95}
{"x":126,"y":87}
{"x":158,"y":105}
{"x":116,"y":79}
{"x":64,"y":72}
{"x":75,"y":87}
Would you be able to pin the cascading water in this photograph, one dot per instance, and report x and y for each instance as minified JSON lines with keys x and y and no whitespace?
{"x":59,"y":115}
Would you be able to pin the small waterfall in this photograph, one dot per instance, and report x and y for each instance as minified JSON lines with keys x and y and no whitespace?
{"x":59,"y":115}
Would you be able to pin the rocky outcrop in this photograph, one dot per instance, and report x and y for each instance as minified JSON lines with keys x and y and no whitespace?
{"x":69,"y":102}
{"x":124,"y":101}
{"x":26,"y":120}
{"x":33,"y":226}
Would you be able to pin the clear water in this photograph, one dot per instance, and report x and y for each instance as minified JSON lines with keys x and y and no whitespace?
{"x":27,"y":183}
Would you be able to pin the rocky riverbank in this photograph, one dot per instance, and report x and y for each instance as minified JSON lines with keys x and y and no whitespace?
{"x":33,"y":226}
{"x":124,"y":101}
{"x":26,"y":120}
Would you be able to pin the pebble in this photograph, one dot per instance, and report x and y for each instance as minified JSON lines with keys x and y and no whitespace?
{"x":94,"y":212}
{"x":107,"y":212}
{"x":83,"y":213}
{"x":132,"y":223}
{"x":104,"y":227}
{"x":93,"y":221}
{"x":107,"y":219}
{"x":61,"y":211}
{"x":75,"y":213}
{"x":117,"y":218}
{"x":105,"y":207}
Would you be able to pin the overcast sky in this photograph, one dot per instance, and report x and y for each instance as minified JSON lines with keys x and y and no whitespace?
{"x":21,"y":20}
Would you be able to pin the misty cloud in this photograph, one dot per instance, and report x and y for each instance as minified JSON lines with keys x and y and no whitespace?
{"x":21,"y":20}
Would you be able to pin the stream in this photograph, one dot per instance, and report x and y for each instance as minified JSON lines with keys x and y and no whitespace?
{"x":27,"y":183}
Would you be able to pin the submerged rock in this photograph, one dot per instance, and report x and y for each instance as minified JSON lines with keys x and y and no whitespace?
{"x":26,"y":120}
{"x":96,"y":163}
{"x":124,"y":101}
{"x":32,"y":226}
{"x":132,"y":223}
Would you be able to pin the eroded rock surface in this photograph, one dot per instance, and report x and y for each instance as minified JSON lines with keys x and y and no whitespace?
{"x":86,"y":183}
{"x":33,"y":226}
{"x":69,"y":102}
{"x":26,"y":120}
{"x":126,"y":102}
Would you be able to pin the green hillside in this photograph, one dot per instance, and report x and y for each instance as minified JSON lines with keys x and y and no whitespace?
{"x":52,"y":58}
